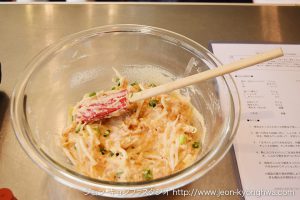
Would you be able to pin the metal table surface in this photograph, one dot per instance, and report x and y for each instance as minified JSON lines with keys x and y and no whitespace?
{"x":27,"y":29}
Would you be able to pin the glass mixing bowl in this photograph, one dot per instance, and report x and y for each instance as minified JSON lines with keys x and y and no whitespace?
{"x":59,"y":76}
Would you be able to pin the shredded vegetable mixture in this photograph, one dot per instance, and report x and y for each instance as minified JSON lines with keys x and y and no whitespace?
{"x":152,"y":138}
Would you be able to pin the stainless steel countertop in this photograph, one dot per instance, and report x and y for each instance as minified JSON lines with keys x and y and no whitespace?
{"x":27,"y":29}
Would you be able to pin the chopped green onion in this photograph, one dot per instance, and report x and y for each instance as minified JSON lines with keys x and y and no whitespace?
{"x":70,"y":115}
{"x":78,"y":128}
{"x":119,"y":83}
{"x":97,"y":129}
{"x":92,"y":94}
{"x":119,"y":154}
{"x":152,"y":85}
{"x":196,"y":145}
{"x":111,"y":153}
{"x":153,"y":102}
{"x":102,"y":150}
{"x":106,"y":133}
{"x":147,"y":173}
{"x":75,"y":147}
{"x":117,"y":80}
{"x":113,"y":88}
{"x":182,"y":139}
{"x":133,"y":84}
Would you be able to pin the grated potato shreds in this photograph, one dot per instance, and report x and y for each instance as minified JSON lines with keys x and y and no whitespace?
{"x":153,"y":138}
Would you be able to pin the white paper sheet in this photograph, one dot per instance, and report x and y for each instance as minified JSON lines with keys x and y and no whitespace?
{"x":267,"y":144}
